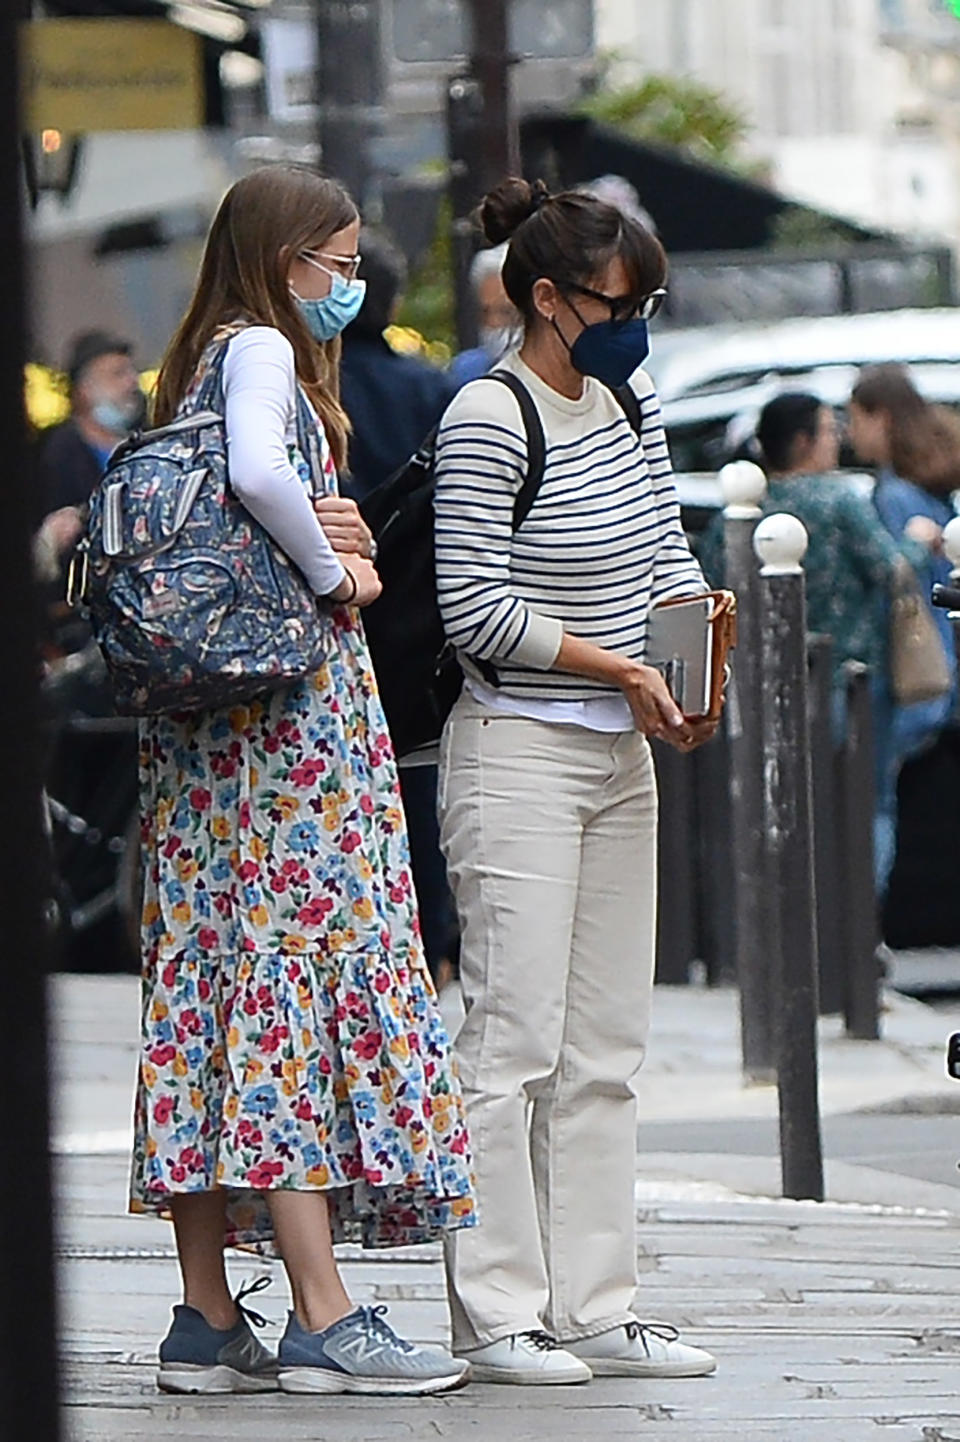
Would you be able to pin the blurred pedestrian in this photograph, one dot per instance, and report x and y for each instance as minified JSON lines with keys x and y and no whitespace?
{"x":548,"y":796}
{"x":393,"y":401}
{"x":499,"y":324}
{"x":850,"y":568}
{"x":106,"y":404}
{"x":916,"y":449}
{"x":295,"y":1086}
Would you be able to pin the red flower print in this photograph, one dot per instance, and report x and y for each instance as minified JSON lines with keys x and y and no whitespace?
{"x":169,"y":974}
{"x":270,"y":1041}
{"x":351,"y":841}
{"x":290,"y":868}
{"x":325,"y":1067}
{"x":373,"y":1175}
{"x":250,"y":1006}
{"x":264,"y":994}
{"x":278,"y":884}
{"x":248,"y":871}
{"x":314,"y":911}
{"x":172,"y":847}
{"x":163,"y":1054}
{"x":369,"y":1045}
{"x":163,"y":1110}
{"x":382,"y":982}
{"x":294,"y":971}
{"x":304,"y":1111}
{"x":397,"y":894}
{"x":459,"y":1144}
{"x":245,"y":814}
{"x":222,"y":905}
{"x":264,"y":1174}
{"x":366,"y":805}
{"x":204,"y":989}
{"x":272,"y":745}
{"x":207,"y":938}
{"x":200,"y":798}
{"x":305,"y":775}
{"x":403,"y":1115}
{"x":178,"y":1173}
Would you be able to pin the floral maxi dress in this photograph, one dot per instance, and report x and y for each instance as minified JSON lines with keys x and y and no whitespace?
{"x":290,"y":1035}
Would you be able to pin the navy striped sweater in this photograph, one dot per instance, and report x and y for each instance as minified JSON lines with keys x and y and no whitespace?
{"x":602,"y":543}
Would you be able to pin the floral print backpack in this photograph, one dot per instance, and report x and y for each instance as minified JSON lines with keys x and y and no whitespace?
{"x":192,"y":603}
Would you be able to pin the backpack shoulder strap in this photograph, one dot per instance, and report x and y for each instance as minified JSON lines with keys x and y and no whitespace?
{"x":536,"y":444}
{"x":626,"y":398}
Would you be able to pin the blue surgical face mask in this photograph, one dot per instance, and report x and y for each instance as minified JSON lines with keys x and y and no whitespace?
{"x":327,"y":317}
{"x":116,"y":417}
{"x":611,"y":351}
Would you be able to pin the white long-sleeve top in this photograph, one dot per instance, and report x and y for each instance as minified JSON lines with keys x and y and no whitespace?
{"x":259,"y":388}
{"x":602,"y":544}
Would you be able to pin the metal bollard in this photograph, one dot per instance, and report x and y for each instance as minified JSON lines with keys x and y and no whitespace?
{"x":827,"y":867}
{"x":861,"y":932}
{"x":743,"y":485}
{"x":780,"y":541}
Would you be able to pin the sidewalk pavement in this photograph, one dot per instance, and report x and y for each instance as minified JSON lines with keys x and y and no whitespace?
{"x":833,"y":1321}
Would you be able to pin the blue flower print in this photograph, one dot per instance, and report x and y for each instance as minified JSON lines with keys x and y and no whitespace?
{"x":305,"y":836}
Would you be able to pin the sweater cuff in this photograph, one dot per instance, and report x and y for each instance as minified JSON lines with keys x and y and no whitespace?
{"x":540,"y":644}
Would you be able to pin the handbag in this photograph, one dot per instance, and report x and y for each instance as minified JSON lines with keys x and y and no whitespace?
{"x":919,"y":670}
{"x":192,"y":602}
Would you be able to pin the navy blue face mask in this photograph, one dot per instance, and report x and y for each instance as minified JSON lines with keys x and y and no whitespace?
{"x":611,"y":350}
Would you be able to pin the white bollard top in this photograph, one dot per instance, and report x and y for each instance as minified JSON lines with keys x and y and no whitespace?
{"x":743,"y":486}
{"x":780,"y":542}
{"x":951,"y":541}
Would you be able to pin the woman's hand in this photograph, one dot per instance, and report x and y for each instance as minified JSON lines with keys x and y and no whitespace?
{"x":368,"y":584}
{"x":655,"y":712}
{"x":345,"y":528}
{"x":697,"y":732}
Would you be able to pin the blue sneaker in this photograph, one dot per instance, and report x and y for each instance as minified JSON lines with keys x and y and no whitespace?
{"x":362,"y":1353}
{"x":195,"y":1357}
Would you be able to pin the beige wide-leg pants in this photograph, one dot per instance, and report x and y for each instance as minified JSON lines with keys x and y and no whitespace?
{"x":550,"y":837}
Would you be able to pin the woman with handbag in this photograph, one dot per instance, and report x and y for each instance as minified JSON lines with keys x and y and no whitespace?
{"x":295,"y":1084}
{"x":548,"y":797}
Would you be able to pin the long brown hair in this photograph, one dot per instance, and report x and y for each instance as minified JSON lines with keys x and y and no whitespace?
{"x":924,"y":438}
{"x":264,"y":221}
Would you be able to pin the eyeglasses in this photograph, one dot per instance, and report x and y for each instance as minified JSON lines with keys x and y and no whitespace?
{"x":348,"y":265}
{"x":624,"y":307}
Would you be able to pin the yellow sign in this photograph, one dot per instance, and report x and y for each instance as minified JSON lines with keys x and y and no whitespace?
{"x":85,"y":75}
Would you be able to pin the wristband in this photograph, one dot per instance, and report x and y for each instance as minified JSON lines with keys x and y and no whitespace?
{"x":348,"y":600}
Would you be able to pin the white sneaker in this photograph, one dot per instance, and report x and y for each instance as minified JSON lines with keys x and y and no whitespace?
{"x":642,"y":1349}
{"x":526,"y":1359}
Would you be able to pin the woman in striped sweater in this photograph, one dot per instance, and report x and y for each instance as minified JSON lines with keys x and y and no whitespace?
{"x":548,"y":796}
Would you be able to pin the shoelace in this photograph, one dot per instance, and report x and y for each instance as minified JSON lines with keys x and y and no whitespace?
{"x":661,"y":1330}
{"x":375,"y":1326}
{"x":542,"y":1341}
{"x":247,"y":1313}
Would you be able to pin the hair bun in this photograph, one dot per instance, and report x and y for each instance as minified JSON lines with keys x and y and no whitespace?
{"x":508,"y":205}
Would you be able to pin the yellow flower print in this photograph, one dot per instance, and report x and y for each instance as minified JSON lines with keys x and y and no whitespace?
{"x":254,"y":776}
{"x":289,"y":1088}
{"x":419,"y":1141}
{"x":182,"y":911}
{"x":159,"y":1011}
{"x":252,"y":1069}
{"x":256,"y":711}
{"x":216,"y":1056}
{"x":303,"y":997}
{"x":289,"y":1068}
{"x":363,"y":908}
{"x":318,"y":1176}
{"x":352,"y":1073}
{"x":221,"y":1171}
{"x":233,"y":1038}
{"x":340,"y":1090}
{"x":400,"y":1047}
{"x":335,"y":941}
{"x":393,"y":817}
{"x":259,"y":915}
{"x":461,"y":1206}
{"x":221,"y":828}
{"x":168,"y":939}
{"x":386,"y":1094}
{"x":364,"y":868}
{"x":151,"y":913}
{"x":234,"y":859}
{"x":258,"y":848}
{"x":306,"y":1038}
{"x":329,"y":803}
{"x":180,"y":1064}
{"x":196,"y":1099}
{"x":331,"y":820}
{"x":293,"y":942}
{"x":246,"y":970}
{"x":187,"y":868}
{"x":344,"y":796}
{"x":149,"y":1074}
{"x":322,"y":679}
{"x":288,"y":806}
{"x":231,"y":1106}
{"x":151,"y":1147}
{"x":239,"y":719}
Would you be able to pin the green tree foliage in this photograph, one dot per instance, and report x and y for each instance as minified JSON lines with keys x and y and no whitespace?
{"x":673,"y":110}
{"x":428,"y":304}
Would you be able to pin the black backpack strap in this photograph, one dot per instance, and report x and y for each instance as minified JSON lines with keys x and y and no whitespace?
{"x":627,"y":400}
{"x":536,"y":445}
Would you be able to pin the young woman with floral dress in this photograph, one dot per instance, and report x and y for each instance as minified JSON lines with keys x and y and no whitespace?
{"x":295,"y":1086}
